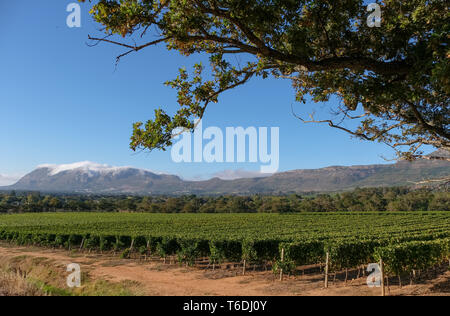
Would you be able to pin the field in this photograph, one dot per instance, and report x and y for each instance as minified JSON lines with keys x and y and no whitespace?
{"x":406,"y":242}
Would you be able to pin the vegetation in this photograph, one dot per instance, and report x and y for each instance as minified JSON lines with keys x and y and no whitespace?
{"x":400,"y":225}
{"x":415,"y":255}
{"x":39,"y":276}
{"x":360,"y":200}
{"x":392,"y":80}
{"x":404,"y":240}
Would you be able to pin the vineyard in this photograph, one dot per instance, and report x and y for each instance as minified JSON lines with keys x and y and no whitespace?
{"x":406,"y":242}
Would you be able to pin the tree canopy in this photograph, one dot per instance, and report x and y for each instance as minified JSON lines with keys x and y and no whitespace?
{"x":359,"y":200}
{"x":392,"y":80}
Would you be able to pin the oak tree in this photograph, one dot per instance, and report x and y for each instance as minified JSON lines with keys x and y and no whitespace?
{"x":392,"y":80}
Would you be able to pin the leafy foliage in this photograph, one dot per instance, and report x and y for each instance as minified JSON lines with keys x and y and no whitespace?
{"x":416,"y":255}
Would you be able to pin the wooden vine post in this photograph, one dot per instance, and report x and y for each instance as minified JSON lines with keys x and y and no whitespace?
{"x":383,"y":292}
{"x":282,"y":260}
{"x":148,"y":253}
{"x":82,"y":244}
{"x":327,"y":265}
{"x":243,"y":268}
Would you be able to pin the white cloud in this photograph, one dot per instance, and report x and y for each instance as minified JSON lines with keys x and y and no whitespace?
{"x":87,"y":167}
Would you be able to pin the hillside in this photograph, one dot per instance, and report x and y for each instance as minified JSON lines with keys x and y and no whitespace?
{"x":94,"y":178}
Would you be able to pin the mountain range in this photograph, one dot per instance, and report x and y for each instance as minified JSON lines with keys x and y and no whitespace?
{"x":93,"y":178}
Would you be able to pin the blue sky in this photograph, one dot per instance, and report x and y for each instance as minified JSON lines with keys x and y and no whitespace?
{"x":63,"y":102}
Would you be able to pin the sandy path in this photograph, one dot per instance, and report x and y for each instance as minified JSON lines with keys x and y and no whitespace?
{"x":159,"y":279}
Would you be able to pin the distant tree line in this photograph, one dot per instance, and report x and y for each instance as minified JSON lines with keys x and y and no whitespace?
{"x":360,"y":200}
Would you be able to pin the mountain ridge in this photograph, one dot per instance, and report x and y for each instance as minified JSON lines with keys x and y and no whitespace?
{"x":87,"y":177}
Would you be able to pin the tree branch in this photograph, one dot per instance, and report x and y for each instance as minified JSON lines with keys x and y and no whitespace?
{"x":433,"y":129}
{"x":131,"y":47}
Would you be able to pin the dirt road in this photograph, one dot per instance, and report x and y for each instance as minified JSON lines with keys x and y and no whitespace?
{"x":157,"y":278}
